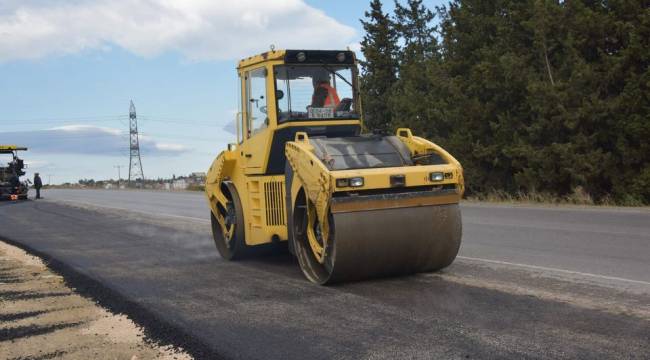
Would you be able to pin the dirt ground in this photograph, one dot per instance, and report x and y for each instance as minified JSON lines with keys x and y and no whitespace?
{"x":42,"y":318}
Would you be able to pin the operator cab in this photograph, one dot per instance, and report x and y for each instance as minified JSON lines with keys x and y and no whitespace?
{"x":289,"y":91}
{"x":316,"y":92}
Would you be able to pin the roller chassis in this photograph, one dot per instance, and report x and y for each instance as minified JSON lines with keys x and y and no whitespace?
{"x":350,"y":206}
{"x":313,"y":203}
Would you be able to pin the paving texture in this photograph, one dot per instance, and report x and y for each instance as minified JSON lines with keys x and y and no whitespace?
{"x":163,"y":271}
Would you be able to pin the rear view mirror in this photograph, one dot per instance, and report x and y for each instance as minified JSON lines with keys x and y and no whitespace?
{"x":279,"y":94}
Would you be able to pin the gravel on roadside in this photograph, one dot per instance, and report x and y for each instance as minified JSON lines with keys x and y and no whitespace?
{"x":41,"y":317}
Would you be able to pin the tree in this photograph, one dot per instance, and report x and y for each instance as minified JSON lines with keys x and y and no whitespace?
{"x":411,"y":102}
{"x":531,"y":96}
{"x":379,"y":68}
{"x":485,"y":61}
{"x":413,"y":26}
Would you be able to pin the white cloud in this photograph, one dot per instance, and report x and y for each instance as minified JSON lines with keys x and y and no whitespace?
{"x":170,"y":147}
{"x":37,"y":164}
{"x":87,"y":128}
{"x":230,"y":127}
{"x":356,"y":47}
{"x":199,"y":29}
{"x":87,"y":140}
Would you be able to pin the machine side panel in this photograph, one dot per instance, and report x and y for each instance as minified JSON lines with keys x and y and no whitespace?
{"x":267,"y":217}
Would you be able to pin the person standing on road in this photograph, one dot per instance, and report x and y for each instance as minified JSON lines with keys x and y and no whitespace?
{"x":38,"y":183}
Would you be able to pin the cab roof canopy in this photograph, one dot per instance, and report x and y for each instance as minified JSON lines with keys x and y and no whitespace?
{"x":7,"y":149}
{"x":330,"y":57}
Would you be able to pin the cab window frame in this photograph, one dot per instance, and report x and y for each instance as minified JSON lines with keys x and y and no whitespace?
{"x":355,"y":93}
{"x":248,"y":120}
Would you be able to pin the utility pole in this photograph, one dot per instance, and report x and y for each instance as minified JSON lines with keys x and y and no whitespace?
{"x":135,"y":162}
{"x":119,"y":175}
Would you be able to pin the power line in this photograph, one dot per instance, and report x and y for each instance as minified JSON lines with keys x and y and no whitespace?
{"x":66,"y":119}
{"x":107,"y":118}
{"x":193,"y":123}
{"x":176,"y":136}
{"x":71,"y":117}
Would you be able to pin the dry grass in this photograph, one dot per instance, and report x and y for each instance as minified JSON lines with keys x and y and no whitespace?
{"x":578,"y":197}
{"x":196,"y":188}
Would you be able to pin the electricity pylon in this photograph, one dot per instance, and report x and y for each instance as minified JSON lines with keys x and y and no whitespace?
{"x":135,"y":162}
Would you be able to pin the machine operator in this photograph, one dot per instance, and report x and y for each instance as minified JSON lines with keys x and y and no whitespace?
{"x":324,"y":94}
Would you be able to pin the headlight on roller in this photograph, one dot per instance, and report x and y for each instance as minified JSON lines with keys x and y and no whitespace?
{"x":349,"y":182}
{"x":356,"y":182}
{"x":436,"y":176}
{"x":301,"y":56}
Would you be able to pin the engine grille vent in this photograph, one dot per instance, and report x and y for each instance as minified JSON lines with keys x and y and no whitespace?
{"x":274,"y":199}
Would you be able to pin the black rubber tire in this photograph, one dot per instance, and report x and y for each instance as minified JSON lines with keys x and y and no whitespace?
{"x":236,"y":249}
{"x":288,"y":181}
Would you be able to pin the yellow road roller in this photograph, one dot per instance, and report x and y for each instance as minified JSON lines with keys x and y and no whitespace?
{"x":350,"y":205}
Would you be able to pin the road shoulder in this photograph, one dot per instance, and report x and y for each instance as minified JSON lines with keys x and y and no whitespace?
{"x":43,"y":317}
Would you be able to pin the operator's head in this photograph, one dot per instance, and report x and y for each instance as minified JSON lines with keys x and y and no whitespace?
{"x":320,"y":77}
{"x":35,"y":173}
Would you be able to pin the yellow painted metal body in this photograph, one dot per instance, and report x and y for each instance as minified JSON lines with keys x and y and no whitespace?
{"x":11,"y":148}
{"x":263,"y":196}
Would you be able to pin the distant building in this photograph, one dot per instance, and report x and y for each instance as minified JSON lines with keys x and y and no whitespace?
{"x":179,"y":184}
{"x":197,"y":178}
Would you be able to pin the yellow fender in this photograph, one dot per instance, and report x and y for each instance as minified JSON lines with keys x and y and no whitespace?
{"x":221,"y":167}
{"x":315,"y":179}
{"x":419,"y":146}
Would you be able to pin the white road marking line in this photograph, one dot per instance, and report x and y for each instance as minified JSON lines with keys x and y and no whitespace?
{"x":544,"y":268}
{"x":135,"y":211}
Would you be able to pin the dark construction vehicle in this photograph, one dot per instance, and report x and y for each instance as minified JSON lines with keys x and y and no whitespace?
{"x":11,"y":188}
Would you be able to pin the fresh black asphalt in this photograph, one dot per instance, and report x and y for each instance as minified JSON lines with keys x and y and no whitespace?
{"x":611,"y":242}
{"x":166,"y":274}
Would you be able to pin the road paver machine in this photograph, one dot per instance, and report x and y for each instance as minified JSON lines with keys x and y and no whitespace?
{"x":351,"y":205}
{"x":11,"y":187}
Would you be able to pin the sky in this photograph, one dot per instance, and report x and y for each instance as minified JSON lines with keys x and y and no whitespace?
{"x":69,"y":68}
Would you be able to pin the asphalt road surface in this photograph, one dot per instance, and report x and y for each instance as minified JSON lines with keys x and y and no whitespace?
{"x":611,"y":242}
{"x":530,"y":282}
